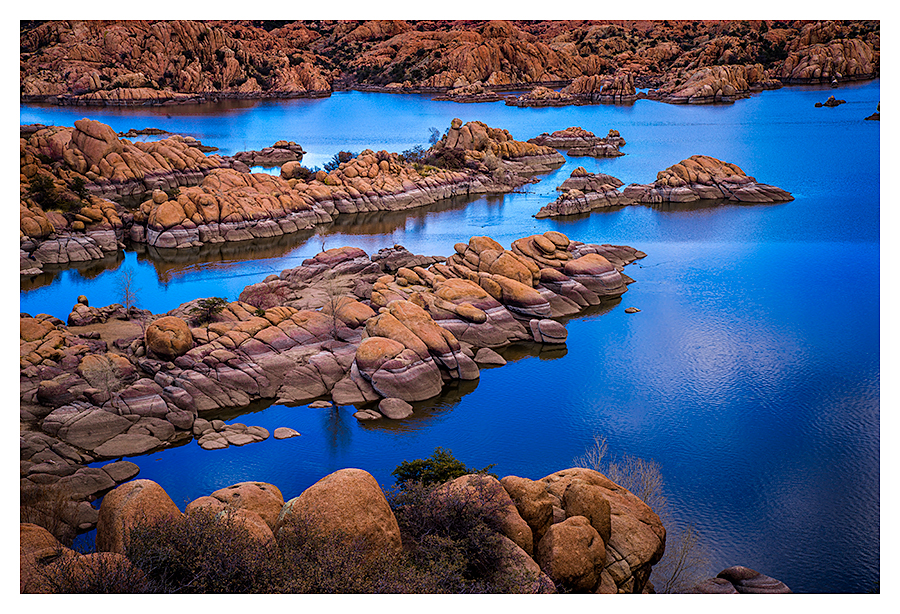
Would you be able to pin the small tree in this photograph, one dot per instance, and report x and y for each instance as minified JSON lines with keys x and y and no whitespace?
{"x":127,"y":287}
{"x":434,"y":135}
{"x":206,"y":308}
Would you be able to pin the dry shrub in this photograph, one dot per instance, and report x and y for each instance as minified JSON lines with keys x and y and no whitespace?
{"x":686,"y":561}
{"x":49,"y":507}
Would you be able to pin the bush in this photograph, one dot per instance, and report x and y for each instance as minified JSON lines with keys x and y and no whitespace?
{"x":200,"y":552}
{"x":685,"y":561}
{"x":440,"y":467}
{"x":453,"y":540}
{"x":206,"y":308}
{"x":453,"y":159}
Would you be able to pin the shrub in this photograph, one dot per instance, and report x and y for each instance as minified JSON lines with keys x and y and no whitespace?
{"x":206,"y":308}
{"x":453,"y":540}
{"x":200,"y":552}
{"x":97,"y":573}
{"x":685,"y":561}
{"x":339,"y":157}
{"x":440,"y":467}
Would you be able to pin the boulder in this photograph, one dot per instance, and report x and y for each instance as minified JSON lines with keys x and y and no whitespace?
{"x":128,"y":504}
{"x":348,"y":504}
{"x":168,"y":337}
{"x":572,"y":554}
{"x":259,"y":497}
{"x":395,"y":409}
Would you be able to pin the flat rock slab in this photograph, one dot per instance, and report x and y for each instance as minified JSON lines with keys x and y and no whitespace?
{"x":487,"y":356}
{"x":367,"y":414}
{"x":283,"y":432}
{"x":395,"y":409}
{"x":128,"y":445}
{"x":320,"y":404}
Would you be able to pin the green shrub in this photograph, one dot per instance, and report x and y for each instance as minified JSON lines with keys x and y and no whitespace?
{"x":438,"y":468}
{"x":206,"y":308}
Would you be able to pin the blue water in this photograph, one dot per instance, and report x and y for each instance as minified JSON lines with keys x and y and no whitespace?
{"x":751,"y":374}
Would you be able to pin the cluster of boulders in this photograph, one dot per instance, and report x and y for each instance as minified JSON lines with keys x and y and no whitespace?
{"x":276,"y":155}
{"x":716,"y":84}
{"x":573,"y":530}
{"x":705,"y":178}
{"x":831,"y":102}
{"x":586,"y":89}
{"x":583,"y":192}
{"x":190,"y":200}
{"x":577,"y":141}
{"x":694,"y":179}
{"x":344,"y":325}
{"x":475,"y":92}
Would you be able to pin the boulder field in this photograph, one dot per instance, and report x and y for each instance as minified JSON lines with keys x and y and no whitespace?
{"x":573,"y":530}
{"x":74,"y":181}
{"x":379,"y":332}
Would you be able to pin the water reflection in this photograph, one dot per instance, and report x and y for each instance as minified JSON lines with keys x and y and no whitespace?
{"x":87,"y":270}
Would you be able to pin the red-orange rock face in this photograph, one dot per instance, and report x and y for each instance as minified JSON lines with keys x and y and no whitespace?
{"x":125,"y":62}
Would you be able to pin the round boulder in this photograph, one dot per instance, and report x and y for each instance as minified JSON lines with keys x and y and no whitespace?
{"x":130,"y":503}
{"x":264,"y":499}
{"x":168,"y":337}
{"x":347,"y":503}
{"x":572,"y":554}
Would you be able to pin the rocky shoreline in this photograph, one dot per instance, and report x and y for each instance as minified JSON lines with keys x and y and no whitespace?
{"x":344,"y":326}
{"x":75,"y":181}
{"x":120,"y":63}
{"x":571,"y":531}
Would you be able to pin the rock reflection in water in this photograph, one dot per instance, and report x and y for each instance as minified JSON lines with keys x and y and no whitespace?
{"x":87,"y":270}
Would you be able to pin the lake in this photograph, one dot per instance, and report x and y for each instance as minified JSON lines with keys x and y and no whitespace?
{"x":751,"y":374}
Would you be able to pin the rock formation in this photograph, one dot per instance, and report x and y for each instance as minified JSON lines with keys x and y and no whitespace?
{"x":177,"y":62}
{"x":831,"y":102}
{"x":741,"y":580}
{"x":705,"y":178}
{"x":579,"y":142}
{"x":190,"y":199}
{"x":476,"y":92}
{"x":380,"y":332}
{"x":583,"y":192}
{"x":714,"y":84}
{"x":574,"y":530}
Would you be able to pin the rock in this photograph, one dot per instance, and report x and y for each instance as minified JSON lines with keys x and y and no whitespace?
{"x":320,"y":405}
{"x":572,"y":554}
{"x":347,"y":504}
{"x":746,"y":580}
{"x":168,"y":337}
{"x":37,"y":548}
{"x":135,"y":501}
{"x":283,"y":432}
{"x":258,"y":497}
{"x":533,"y":503}
{"x":487,"y":356}
{"x":395,"y":409}
{"x":715,"y":586}
{"x":632,"y":310}
{"x":579,"y":142}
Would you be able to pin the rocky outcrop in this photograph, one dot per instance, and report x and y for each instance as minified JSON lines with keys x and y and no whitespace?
{"x":579,"y":142}
{"x":715,"y":84}
{"x":741,"y":580}
{"x":705,"y":178}
{"x":831,"y":102}
{"x":583,"y":192}
{"x":176,"y":62}
{"x":826,"y":62}
{"x":494,"y":148}
{"x":475,"y":92}
{"x":572,"y":531}
{"x":276,"y":155}
{"x":585,"y":89}
{"x":392,"y":327}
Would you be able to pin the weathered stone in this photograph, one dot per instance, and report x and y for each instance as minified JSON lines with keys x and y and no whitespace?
{"x":130,"y":503}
